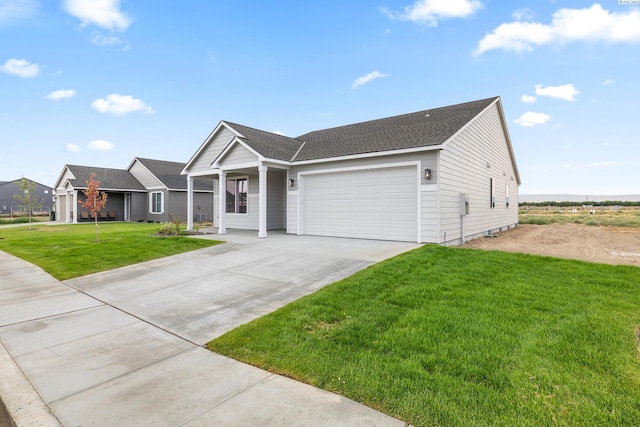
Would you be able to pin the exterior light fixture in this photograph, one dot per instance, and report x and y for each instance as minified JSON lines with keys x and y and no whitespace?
{"x":292,"y":182}
{"x":427,"y":174}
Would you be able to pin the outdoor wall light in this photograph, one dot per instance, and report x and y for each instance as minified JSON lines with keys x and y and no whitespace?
{"x":427,"y":174}
{"x":292,"y":182}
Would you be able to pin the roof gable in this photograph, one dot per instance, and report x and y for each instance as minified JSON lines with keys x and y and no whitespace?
{"x":169,"y":174}
{"x":268,"y":144}
{"x":237,"y":151}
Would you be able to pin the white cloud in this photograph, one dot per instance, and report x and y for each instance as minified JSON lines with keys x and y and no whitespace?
{"x":12,"y":10}
{"x":607,"y":82}
{"x":61,"y":94}
{"x":100,"y":145}
{"x":103,"y":13}
{"x":73,"y":148}
{"x":366,"y":79}
{"x":528,"y":99}
{"x":530,"y":119}
{"x":101,"y":40}
{"x":565,"y":92}
{"x":431,"y":11}
{"x":567,"y":26}
{"x":120,"y":104}
{"x":523,"y":15}
{"x":21,"y":68}
{"x":277,"y":132}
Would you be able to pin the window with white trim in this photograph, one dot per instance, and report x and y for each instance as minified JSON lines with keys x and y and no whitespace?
{"x":236,"y":196}
{"x":506,"y":194}
{"x":492,"y":193}
{"x":156,"y":202}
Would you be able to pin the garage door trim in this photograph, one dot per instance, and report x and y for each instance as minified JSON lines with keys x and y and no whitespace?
{"x":416,"y":164}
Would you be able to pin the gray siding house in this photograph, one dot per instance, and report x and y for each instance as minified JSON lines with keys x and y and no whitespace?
{"x":148,"y":190}
{"x":10,"y":205}
{"x":444,"y":175}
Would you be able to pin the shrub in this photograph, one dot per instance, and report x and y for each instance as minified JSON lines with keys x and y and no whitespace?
{"x":168,"y":229}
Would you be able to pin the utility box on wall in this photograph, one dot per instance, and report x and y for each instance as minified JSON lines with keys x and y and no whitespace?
{"x":464,"y":204}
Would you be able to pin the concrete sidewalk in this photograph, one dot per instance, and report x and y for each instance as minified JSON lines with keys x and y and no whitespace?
{"x":124,"y":347}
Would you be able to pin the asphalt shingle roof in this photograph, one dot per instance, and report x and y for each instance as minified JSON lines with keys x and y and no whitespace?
{"x":420,"y":129}
{"x":270,"y":145}
{"x":110,"y":179}
{"x":169,"y":174}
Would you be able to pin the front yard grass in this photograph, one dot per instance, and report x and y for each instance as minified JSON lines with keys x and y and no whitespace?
{"x":67,"y":251}
{"x":459,"y":337}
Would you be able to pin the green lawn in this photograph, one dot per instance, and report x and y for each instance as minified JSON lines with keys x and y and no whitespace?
{"x":457,"y":337}
{"x":67,"y":251}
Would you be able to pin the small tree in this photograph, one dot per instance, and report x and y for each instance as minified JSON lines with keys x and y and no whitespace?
{"x":95,"y":200}
{"x":28,"y":198}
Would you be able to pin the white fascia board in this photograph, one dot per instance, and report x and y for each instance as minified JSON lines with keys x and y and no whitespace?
{"x":63,"y":184}
{"x":201,"y":173}
{"x":239,"y":166}
{"x":368,"y":155}
{"x":508,"y":138}
{"x":466,"y":125}
{"x":208,"y":139}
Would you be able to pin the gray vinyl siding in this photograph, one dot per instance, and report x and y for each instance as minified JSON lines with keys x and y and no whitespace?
{"x":430,"y":226}
{"x":143,"y":175}
{"x":292,"y":212}
{"x":202,"y":204}
{"x":139,"y":206}
{"x":175,"y":205}
{"x":468,"y":162}
{"x":214,"y":147}
{"x":276,"y":203}
{"x":238,"y":154}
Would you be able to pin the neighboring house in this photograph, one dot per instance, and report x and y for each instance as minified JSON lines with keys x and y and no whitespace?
{"x":148,"y":190}
{"x":442,"y":176}
{"x":8,"y":204}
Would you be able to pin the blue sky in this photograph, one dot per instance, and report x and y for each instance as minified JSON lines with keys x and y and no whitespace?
{"x":98,"y":82}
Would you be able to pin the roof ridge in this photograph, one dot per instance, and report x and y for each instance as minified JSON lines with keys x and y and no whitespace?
{"x":395,"y":117}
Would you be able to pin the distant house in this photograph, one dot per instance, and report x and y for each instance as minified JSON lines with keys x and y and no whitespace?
{"x":442,"y":175}
{"x":8,"y":204}
{"x":148,"y":190}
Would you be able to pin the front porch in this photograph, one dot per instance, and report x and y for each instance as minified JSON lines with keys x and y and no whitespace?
{"x":248,"y":198}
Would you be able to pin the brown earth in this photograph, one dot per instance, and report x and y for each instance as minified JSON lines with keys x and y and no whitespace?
{"x":607,"y":245}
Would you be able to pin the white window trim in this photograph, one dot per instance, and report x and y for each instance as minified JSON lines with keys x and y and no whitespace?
{"x":151,"y":204}
{"x":235,"y":178}
{"x":507,"y":192}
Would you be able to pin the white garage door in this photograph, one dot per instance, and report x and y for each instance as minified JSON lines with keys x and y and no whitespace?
{"x":365,"y":204}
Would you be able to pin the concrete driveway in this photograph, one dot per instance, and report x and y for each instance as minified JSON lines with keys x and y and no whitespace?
{"x":123,"y":347}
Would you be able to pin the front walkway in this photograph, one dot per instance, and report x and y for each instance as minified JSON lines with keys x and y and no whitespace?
{"x":123,"y":347}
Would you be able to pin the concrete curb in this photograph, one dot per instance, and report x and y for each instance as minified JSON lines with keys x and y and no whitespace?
{"x":23,"y":403}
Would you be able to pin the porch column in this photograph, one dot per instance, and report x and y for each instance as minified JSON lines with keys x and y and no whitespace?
{"x":222,"y":203}
{"x":262,"y":197}
{"x":189,"y":202}
{"x":75,"y":206}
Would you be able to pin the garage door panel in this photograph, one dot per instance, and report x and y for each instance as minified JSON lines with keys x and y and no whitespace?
{"x":370,"y":204}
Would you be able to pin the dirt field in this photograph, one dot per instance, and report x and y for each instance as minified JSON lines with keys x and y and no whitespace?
{"x":573,"y":241}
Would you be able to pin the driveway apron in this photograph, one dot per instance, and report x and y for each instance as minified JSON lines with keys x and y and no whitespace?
{"x":124,"y":347}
